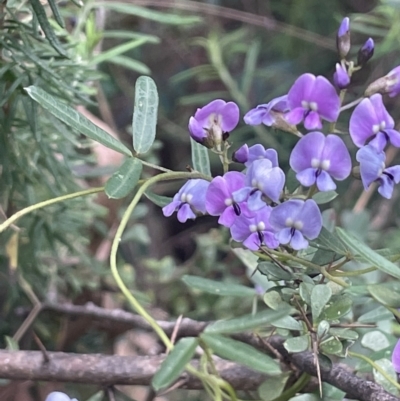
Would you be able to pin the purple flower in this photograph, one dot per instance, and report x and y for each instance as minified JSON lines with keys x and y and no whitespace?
{"x":248,"y":155}
{"x":296,"y":220}
{"x":396,"y":357}
{"x":372,"y":168}
{"x":59,"y":396}
{"x":317,"y":158}
{"x":366,"y":52}
{"x":264,"y":113}
{"x":219,"y":200}
{"x":262,"y":178}
{"x":341,"y":77}
{"x":254,"y":230}
{"x":343,"y":38}
{"x":370,"y":120}
{"x":393,"y":82}
{"x":312,"y":99}
{"x":190,"y":199}
{"x":211,"y":124}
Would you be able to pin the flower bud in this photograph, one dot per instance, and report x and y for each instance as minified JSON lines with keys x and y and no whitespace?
{"x":241,"y":155}
{"x":343,"y":38}
{"x":341,"y":77}
{"x":389,"y":84}
{"x":366,"y":52}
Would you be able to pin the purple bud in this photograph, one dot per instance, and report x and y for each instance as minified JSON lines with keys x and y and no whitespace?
{"x":341,"y":77}
{"x":366,"y":52}
{"x":241,"y":155}
{"x":393,"y":82}
{"x":266,"y":113}
{"x":212,"y":124}
{"x":343,"y":38}
{"x":396,"y":357}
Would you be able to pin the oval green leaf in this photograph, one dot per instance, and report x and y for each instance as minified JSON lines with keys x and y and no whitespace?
{"x":174,"y":364}
{"x":320,"y":296}
{"x":385,"y":295}
{"x":242,"y":353}
{"x":217,"y":287}
{"x":297,"y":344}
{"x":200,"y":159}
{"x":368,"y":255}
{"x":247,"y":322}
{"x":324,"y":197}
{"x":339,"y":307}
{"x":125,"y":179}
{"x":144,"y":114}
{"x":71,"y":117}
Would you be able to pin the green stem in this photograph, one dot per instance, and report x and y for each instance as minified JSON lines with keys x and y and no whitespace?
{"x":354,"y":273}
{"x":376,"y":367}
{"x":351,"y":104}
{"x":45,"y":203}
{"x":296,"y":388}
{"x":114,"y":248}
{"x":395,"y":312}
{"x":166,"y":170}
{"x":332,"y":278}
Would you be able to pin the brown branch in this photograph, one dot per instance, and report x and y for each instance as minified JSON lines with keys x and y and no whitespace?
{"x":108,"y":370}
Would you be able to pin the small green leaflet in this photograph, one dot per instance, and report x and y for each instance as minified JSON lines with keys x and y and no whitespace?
{"x":368,"y":255}
{"x":158,"y":200}
{"x":200,"y":159}
{"x":71,"y":117}
{"x":174,"y":364}
{"x":125,"y":179}
{"x":144,"y":114}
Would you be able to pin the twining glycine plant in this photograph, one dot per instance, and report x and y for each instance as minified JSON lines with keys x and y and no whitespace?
{"x":316,"y":297}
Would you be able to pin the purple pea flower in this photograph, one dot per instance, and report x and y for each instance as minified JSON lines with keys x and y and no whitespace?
{"x":393,"y":82}
{"x":372,"y":168}
{"x":370,"y":120}
{"x":248,"y":155}
{"x":396,"y":357}
{"x":343,"y":38}
{"x":59,"y":396}
{"x":262,"y":178}
{"x":190,"y":199}
{"x":219,"y":200}
{"x":312,"y":99}
{"x":366,"y":52}
{"x":317,"y":158}
{"x":341,"y":77}
{"x":211,"y":124}
{"x":254,"y":230}
{"x":264,"y":113}
{"x":296,"y":220}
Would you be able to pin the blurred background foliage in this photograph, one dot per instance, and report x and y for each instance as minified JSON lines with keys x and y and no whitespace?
{"x":89,"y":53}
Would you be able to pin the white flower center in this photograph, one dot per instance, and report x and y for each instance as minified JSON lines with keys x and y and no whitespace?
{"x":313,"y":106}
{"x":325,"y":164}
{"x":261,"y":226}
{"x":228,"y":202}
{"x":376,"y":128}
{"x":315,"y":163}
{"x":289,"y":222}
{"x":189,"y":197}
{"x":253,"y":228}
{"x":184,"y":198}
{"x":309,"y":105}
{"x":382,"y":125}
{"x":298,"y":225}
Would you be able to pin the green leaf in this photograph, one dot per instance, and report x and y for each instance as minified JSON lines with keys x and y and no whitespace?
{"x":387,"y":367}
{"x":376,"y":315}
{"x":331,"y":347}
{"x":322,"y":329}
{"x":200,"y":159}
{"x":375,"y":340}
{"x":247,"y":322}
{"x":368,"y":255}
{"x":125,"y":179}
{"x":131,"y":64}
{"x":40,"y":13}
{"x":273,"y":387}
{"x":144,"y":114}
{"x":174,"y":364}
{"x":324,"y":197}
{"x":99,"y":396}
{"x":11,"y":344}
{"x":305,"y":290}
{"x":291,"y":181}
{"x":340,"y":306}
{"x":71,"y":117}
{"x":320,"y":296}
{"x":153,"y":15}
{"x":158,"y":200}
{"x":56,"y":13}
{"x":274,"y":272}
{"x":343,"y":333}
{"x":218,"y":287}
{"x":330,"y":242}
{"x":297,"y":344}
{"x":386,"y":296}
{"x":288,"y":323}
{"x":242,"y":353}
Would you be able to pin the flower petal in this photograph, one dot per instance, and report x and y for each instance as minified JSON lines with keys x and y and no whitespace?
{"x":185,"y":213}
{"x":229,"y":117}
{"x":309,"y":147}
{"x":227,"y":217}
{"x":336,"y":152}
{"x":311,"y":217}
{"x":325,"y":182}
{"x":295,"y":116}
{"x":197,"y":131}
{"x":307,"y":177}
{"x":203,"y":115}
{"x":312,"y":120}
{"x":252,"y":242}
{"x":386,"y":186}
{"x":372,"y":163}
{"x":396,"y":357}
{"x":300,"y":91}
{"x":216,"y":195}
{"x":298,"y":241}
{"x":394,"y":137}
{"x":169,"y":209}
{"x":362,"y":121}
{"x":328,"y":101}
{"x":284,"y":211}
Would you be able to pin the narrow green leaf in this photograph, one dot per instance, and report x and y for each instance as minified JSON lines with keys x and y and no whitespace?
{"x":376,"y":315}
{"x":200,"y":159}
{"x":320,"y":296}
{"x":242,"y":353}
{"x":247,"y":322}
{"x":144,"y":114}
{"x":56,"y":13}
{"x":369,"y":255}
{"x":153,"y":15}
{"x":174,"y":364}
{"x":11,"y":344}
{"x":40,"y":13}
{"x":125,"y":179}
{"x":288,"y":323}
{"x":386,"y":296}
{"x":71,"y":117}
{"x":217,"y":287}
{"x":297,"y":344}
{"x":158,"y":200}
{"x":131,"y":64}
{"x":130,"y":35}
{"x":330,"y":242}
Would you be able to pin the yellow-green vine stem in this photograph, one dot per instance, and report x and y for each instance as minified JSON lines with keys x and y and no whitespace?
{"x":114,"y":248}
{"x":375,"y":366}
{"x":45,"y":203}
